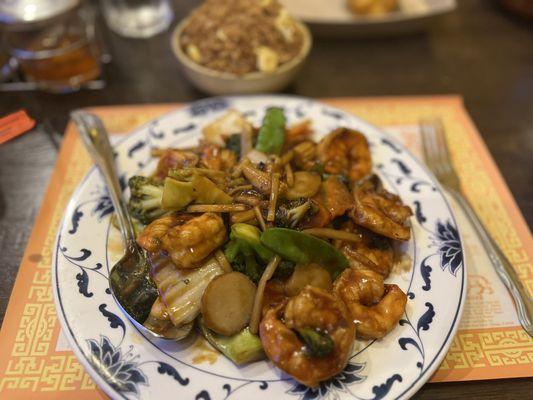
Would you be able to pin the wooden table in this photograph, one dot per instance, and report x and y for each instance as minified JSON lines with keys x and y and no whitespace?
{"x":479,"y":51}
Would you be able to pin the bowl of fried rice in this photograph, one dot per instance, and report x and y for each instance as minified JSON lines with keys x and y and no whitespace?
{"x":240,"y":46}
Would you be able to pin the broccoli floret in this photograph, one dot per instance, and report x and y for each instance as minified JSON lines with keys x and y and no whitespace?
{"x":317,"y":343}
{"x":252,"y":236}
{"x":145,"y":199}
{"x":244,"y":259}
{"x":284,"y":270}
{"x":288,"y":215}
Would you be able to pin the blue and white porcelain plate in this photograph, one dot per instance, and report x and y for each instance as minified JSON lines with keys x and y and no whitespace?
{"x":125,"y":364}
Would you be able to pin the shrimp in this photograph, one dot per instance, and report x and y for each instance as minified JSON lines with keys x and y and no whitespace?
{"x":216,"y":158}
{"x":150,"y":237}
{"x":298,"y":133}
{"x":320,"y":215}
{"x":318,"y":310}
{"x":380,"y":211}
{"x":374,"y":306}
{"x":345,"y":152}
{"x":305,"y":155}
{"x":190,"y":244}
{"x":274,"y":295}
{"x":336,"y":196}
{"x":187,"y":244}
{"x":373,"y":251}
{"x":173,"y":159}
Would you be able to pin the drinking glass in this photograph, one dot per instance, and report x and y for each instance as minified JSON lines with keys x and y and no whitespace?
{"x":58,"y":54}
{"x":137,"y":18}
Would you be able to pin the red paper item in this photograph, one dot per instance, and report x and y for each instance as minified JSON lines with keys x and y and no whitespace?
{"x":15,"y":124}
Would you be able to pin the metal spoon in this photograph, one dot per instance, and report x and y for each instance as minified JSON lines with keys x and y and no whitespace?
{"x":129,"y":279}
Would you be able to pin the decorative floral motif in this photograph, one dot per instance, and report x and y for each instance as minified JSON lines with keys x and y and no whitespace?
{"x":332,"y":388}
{"x":82,"y":277}
{"x":423,"y":324}
{"x":119,"y":370}
{"x":184,"y":129}
{"x":103,"y":207}
{"x":449,"y":247}
{"x":136,"y":147}
{"x":203,"y":107}
{"x":404,"y":169}
{"x":167,"y":369}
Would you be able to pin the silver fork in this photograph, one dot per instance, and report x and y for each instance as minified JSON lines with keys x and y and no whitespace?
{"x":438,"y":160}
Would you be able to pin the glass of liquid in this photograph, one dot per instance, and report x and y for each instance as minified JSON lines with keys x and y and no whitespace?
{"x":137,"y":18}
{"x":59,"y":54}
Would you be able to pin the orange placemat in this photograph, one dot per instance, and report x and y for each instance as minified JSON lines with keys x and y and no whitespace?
{"x":36,"y":362}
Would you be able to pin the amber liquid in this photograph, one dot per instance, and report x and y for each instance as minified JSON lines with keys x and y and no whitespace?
{"x":68,"y":62}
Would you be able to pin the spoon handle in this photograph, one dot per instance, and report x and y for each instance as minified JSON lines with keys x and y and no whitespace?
{"x":96,"y":140}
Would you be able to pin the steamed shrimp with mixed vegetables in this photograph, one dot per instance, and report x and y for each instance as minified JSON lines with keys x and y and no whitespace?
{"x":273,"y":245}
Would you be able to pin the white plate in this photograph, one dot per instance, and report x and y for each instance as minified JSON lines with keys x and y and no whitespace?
{"x":333,"y":18}
{"x":127,"y":365}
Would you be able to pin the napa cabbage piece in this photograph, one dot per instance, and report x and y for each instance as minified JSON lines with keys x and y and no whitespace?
{"x":182,"y":289}
{"x":159,"y":322}
{"x":241,"y":348}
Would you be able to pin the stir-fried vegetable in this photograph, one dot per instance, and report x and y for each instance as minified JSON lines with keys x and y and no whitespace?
{"x":284,"y":270}
{"x":230,"y":123}
{"x":307,"y":274}
{"x":209,"y":193}
{"x":177,"y":194}
{"x":242,"y":348}
{"x":258,"y":301}
{"x":200,"y":190}
{"x":259,"y":179}
{"x":317,"y":343}
{"x":181,"y":289}
{"x":245,"y":251}
{"x":306,"y":184}
{"x":272,"y":133}
{"x":159,"y":322}
{"x":234,"y":144}
{"x":252,"y":236}
{"x":187,"y":173}
{"x":145,"y":199}
{"x":302,"y":248}
{"x":290,"y":214}
{"x":227,"y":303}
{"x":243,"y":259}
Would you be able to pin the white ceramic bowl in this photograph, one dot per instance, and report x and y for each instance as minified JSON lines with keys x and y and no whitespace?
{"x":217,"y":82}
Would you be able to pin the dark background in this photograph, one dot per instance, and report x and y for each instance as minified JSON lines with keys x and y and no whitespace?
{"x":479,"y":51}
